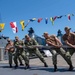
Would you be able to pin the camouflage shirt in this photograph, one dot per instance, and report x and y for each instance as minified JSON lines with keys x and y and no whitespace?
{"x":31,"y":42}
{"x":17,"y":43}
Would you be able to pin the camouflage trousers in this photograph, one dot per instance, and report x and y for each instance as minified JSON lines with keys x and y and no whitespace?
{"x":37,"y":53}
{"x":23,"y":56}
{"x":70,"y":52}
{"x":62,"y":52}
{"x":11,"y":55}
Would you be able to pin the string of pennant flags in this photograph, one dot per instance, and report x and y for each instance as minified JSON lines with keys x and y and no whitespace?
{"x":14,"y":27}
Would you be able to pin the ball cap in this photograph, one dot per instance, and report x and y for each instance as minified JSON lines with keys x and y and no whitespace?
{"x":26,"y":35}
{"x":8,"y":39}
{"x":45,"y":33}
{"x":16,"y":36}
{"x":67,"y":28}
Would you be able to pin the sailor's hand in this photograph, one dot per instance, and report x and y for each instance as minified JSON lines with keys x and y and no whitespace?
{"x":29,"y":47}
{"x":7,"y":49}
{"x":58,"y":46}
{"x":33,"y":46}
{"x":73,"y":46}
{"x":20,"y":46}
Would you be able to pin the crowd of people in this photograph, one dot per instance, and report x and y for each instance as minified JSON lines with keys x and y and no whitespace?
{"x":16,"y":48}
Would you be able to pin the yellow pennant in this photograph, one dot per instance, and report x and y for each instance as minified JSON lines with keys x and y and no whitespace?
{"x":2,"y":26}
{"x":22,"y":24}
{"x":51,"y":18}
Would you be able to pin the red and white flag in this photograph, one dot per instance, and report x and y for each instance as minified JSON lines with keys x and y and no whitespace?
{"x":14,"y":27}
{"x":69,"y":17}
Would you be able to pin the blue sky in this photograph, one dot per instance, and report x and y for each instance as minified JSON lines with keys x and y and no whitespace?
{"x":17,"y":10}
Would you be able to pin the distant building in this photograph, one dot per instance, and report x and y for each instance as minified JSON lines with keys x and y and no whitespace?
{"x":39,"y":39}
{"x":3,"y":42}
{"x":59,"y":35}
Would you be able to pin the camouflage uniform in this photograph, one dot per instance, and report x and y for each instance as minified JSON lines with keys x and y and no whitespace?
{"x":35,"y":50}
{"x":52,"y":40}
{"x":56,"y":51}
{"x":20,"y":52}
{"x":10,"y":52}
{"x":71,"y":40}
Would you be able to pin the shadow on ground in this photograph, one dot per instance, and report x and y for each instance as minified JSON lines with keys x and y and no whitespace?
{"x":41,"y":68}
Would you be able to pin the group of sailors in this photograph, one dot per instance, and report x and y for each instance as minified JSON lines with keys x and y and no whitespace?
{"x":15,"y":48}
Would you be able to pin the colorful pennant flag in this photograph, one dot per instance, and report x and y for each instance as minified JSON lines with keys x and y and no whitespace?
{"x":69,"y":17}
{"x":14,"y":27}
{"x":51,"y":18}
{"x":22,"y":24}
{"x":54,"y":18}
{"x":2,"y":26}
{"x":39,"y":20}
{"x":46,"y":20}
{"x":59,"y":17}
{"x":33,"y":19}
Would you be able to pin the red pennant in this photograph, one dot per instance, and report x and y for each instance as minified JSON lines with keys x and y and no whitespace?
{"x":54,"y":18}
{"x":39,"y":20}
{"x":69,"y":18}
